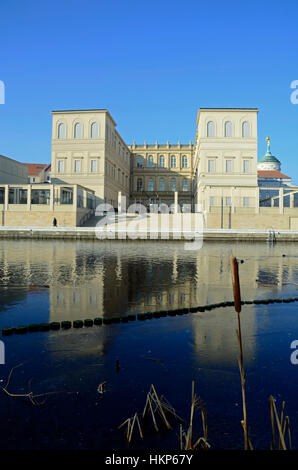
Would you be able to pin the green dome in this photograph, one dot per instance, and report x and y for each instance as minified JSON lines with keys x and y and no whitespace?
{"x":268,"y":157}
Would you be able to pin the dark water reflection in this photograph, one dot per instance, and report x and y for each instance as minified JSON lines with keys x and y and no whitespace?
{"x":92,"y":279}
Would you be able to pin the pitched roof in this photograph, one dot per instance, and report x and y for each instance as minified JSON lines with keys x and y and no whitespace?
{"x":35,"y":168}
{"x":272,"y":174}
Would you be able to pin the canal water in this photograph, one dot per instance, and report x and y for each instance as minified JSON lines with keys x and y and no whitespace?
{"x":54,"y":281}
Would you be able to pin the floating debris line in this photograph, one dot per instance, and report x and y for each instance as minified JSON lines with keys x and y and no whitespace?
{"x":99,"y":321}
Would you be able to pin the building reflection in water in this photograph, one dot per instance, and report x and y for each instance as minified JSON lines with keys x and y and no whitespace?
{"x":89,"y":279}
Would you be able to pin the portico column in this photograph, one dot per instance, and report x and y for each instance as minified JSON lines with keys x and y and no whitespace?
{"x":176,"y":202}
{"x":257,"y":201}
{"x":84,"y":198}
{"x":59,"y":195}
{"x":52,"y":197}
{"x":233,"y":200}
{"x":75,"y":198}
{"x":6,"y":197}
{"x":291,"y":200}
{"x":121,"y":203}
{"x":29,"y":197}
{"x":281,"y":200}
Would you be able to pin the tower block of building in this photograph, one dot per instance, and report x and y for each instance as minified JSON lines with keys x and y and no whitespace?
{"x":87,"y":150}
{"x":225,"y":162}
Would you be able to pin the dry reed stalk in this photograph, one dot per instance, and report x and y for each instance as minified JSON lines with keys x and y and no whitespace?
{"x":181,"y":436}
{"x":160,"y":405}
{"x":152,"y":413}
{"x":237,"y":304}
{"x":283,"y":424}
{"x":32,"y":397}
{"x":188,"y":436}
{"x":272,"y":426}
{"x":236,"y":283}
{"x":130,"y":427}
{"x":289,"y":432}
{"x":168,"y":408}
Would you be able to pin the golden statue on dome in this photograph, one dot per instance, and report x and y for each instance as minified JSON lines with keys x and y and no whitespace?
{"x":268,"y":143}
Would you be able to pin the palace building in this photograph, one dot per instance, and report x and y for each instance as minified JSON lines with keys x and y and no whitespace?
{"x":219,"y":174}
{"x":88,"y":150}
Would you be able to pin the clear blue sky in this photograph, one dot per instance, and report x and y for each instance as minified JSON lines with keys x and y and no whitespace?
{"x":152,"y":64}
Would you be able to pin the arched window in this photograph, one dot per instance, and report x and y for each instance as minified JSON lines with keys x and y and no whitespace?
{"x":78,"y":130}
{"x":162,"y":161}
{"x":140,"y":161}
{"x":150,"y":185}
{"x":184,"y":184}
{"x":150,"y":161}
{"x":184,"y":161}
{"x":173,"y":161}
{"x":245,"y":129}
{"x":210,"y":129}
{"x":61,"y":131}
{"x":228,"y":129}
{"x":162,"y":184}
{"x":139,"y":185}
{"x":94,"y":130}
{"x":173,"y":184}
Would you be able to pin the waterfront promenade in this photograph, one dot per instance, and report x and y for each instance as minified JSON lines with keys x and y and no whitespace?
{"x":95,"y":233}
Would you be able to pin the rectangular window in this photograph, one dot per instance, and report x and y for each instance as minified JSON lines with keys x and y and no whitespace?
{"x":93,"y":166}
{"x":139,"y":185}
{"x":228,"y":166}
{"x":77,"y":166}
{"x":246,"y":202}
{"x":60,"y":166}
{"x":211,"y":166}
{"x":211,"y":201}
{"x":184,"y":185}
{"x":228,"y":201}
{"x":246,"y":166}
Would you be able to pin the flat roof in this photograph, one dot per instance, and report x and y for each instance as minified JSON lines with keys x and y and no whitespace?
{"x":236,"y":109}
{"x":71,"y":111}
{"x":225,"y":109}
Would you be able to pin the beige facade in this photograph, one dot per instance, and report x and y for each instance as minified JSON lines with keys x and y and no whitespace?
{"x":217,"y":174}
{"x":87,"y":150}
{"x":225,"y":158}
{"x":12,"y":171}
{"x":158,"y":171}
